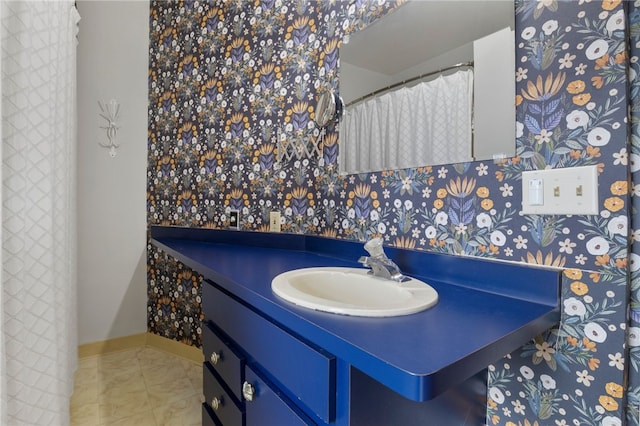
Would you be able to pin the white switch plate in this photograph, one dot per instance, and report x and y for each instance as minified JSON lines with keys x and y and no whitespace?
{"x":573,"y":190}
{"x":274,"y":221}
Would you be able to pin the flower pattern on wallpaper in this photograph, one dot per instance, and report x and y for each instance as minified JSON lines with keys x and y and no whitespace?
{"x":247,"y":72}
{"x":633,"y":394}
{"x":174,"y":299}
{"x":226,"y":78}
{"x":574,"y":374}
{"x":568,"y":376}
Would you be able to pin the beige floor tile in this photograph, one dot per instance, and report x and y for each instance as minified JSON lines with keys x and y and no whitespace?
{"x":85,"y":414}
{"x":87,"y":372}
{"x":118,"y":383}
{"x":137,"y":387}
{"x":195,"y":376}
{"x":184,"y":412}
{"x":165,"y":375}
{"x":194,"y":371}
{"x":144,"y":418}
{"x":119,"y":366}
{"x":188,"y":363}
{"x":151,"y":359}
{"x":90,"y":362}
{"x":84,"y":393}
{"x":123,"y":404}
{"x":120,"y":359}
{"x":86,"y":377}
{"x":178,"y":389}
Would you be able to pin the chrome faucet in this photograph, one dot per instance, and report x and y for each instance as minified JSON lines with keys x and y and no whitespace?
{"x":381,"y":266}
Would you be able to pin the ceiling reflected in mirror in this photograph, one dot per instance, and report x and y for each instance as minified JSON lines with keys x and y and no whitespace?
{"x":427,"y":32}
{"x":420,"y":42}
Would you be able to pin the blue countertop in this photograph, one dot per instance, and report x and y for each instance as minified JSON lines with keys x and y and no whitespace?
{"x":485,"y":309}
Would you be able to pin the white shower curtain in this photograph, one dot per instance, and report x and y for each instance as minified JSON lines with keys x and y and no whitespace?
{"x":38,"y":337}
{"x":430,"y":123}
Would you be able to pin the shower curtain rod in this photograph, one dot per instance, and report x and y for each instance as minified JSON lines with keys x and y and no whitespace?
{"x":411,"y":80}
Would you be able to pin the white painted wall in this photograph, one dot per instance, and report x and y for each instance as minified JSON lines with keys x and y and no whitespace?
{"x":112,"y":64}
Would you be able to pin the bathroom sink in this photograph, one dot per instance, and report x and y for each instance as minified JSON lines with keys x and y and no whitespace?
{"x":352,"y":291}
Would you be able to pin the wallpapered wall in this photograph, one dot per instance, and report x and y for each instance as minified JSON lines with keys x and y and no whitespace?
{"x":223,"y":76}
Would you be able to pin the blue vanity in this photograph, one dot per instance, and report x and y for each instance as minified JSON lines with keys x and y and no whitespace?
{"x":270,"y":362}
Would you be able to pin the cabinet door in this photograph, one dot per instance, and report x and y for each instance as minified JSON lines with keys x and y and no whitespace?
{"x":305,"y":373}
{"x":268,"y":408}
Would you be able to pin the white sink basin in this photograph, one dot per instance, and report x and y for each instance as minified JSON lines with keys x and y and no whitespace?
{"x":352,"y":291}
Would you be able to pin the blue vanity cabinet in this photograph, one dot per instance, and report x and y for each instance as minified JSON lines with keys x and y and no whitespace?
{"x":269,"y":407}
{"x":260,"y":373}
{"x":270,"y":363}
{"x":219,"y":399}
{"x":221,"y":354}
{"x":222,"y":377}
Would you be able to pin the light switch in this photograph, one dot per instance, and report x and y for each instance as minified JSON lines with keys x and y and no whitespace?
{"x":274,"y":221}
{"x":572,"y":190}
{"x":536,"y":192}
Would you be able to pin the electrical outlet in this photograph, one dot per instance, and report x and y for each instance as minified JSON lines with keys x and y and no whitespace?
{"x":234,"y":219}
{"x":572,"y":190}
{"x":274,"y":221}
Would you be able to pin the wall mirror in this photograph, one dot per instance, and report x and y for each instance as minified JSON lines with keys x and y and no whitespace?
{"x":419,"y":43}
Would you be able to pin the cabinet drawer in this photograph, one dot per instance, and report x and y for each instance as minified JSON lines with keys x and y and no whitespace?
{"x":307,"y":374}
{"x":223,"y":358}
{"x":268,"y":408}
{"x":224,"y":408}
{"x":208,"y":418}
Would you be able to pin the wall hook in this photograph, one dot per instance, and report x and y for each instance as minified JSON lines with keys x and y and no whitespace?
{"x":110,"y":111}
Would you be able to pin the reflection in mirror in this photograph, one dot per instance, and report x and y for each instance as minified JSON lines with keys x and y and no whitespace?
{"x":427,"y":39}
{"x":328,"y":109}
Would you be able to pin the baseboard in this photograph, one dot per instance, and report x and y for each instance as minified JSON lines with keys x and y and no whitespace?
{"x":190,"y":353}
{"x":112,"y":345}
{"x":172,"y":347}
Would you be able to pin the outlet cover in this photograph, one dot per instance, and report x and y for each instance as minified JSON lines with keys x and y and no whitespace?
{"x":234,"y":219}
{"x":572,"y":190}
{"x":274,"y":221}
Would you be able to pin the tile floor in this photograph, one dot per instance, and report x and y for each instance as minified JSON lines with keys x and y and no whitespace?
{"x":137,"y":387}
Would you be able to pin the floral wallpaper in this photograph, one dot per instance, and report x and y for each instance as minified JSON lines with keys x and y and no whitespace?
{"x":572,"y":101}
{"x":226,"y":76}
{"x":633,"y":392}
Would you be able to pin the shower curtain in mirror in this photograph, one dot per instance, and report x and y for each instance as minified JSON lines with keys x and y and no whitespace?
{"x":429,"y":123}
{"x":38,"y":342}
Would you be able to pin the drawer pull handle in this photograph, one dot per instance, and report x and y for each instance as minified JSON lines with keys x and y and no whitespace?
{"x":216,"y":403}
{"x":215,"y":358}
{"x":248,"y":391}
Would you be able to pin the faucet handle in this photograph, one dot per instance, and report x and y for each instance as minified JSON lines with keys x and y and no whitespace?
{"x":374,"y":248}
